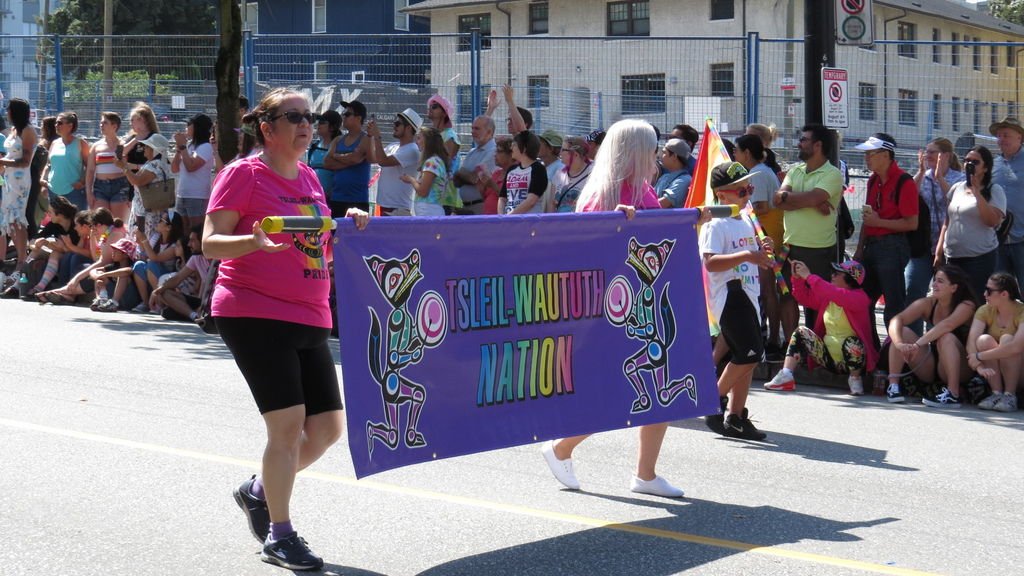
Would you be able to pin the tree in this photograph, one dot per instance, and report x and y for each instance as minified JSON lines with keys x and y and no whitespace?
{"x":229,"y":58}
{"x":1009,"y":10}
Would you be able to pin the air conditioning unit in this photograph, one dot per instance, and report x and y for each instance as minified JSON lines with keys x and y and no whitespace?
{"x":358,"y":76}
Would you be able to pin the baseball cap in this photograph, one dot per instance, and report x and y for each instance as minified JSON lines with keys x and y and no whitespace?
{"x":678,"y":147}
{"x":410,"y":116}
{"x":330,"y":117}
{"x":853,"y":268}
{"x":729,"y":174}
{"x":876,"y":143}
{"x":358,"y":107}
{"x":552,"y":138}
{"x":596,"y":137}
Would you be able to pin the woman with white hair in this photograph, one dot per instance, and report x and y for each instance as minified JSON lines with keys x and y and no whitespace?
{"x":619,"y":181}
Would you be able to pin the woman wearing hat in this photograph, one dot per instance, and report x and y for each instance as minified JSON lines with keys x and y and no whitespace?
{"x":842,"y":340}
{"x":441,"y":112}
{"x":155,"y":169}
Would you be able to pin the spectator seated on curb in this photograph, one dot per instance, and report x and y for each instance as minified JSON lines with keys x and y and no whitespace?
{"x":119,"y":271}
{"x":995,"y":345}
{"x":106,"y":230}
{"x":178,"y":296}
{"x":50,"y":244}
{"x":161,"y":255}
{"x":842,"y":339}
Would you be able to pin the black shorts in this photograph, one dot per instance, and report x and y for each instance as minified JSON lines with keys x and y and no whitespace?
{"x":285,"y":364}
{"x":741,"y":326}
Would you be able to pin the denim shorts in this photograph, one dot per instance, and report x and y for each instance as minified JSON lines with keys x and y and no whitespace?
{"x":191,"y":207}
{"x":113,"y":191}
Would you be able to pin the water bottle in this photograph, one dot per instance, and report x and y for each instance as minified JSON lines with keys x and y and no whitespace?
{"x":23,"y":286}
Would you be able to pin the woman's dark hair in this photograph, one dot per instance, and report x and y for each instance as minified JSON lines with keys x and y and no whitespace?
{"x":202,"y":127}
{"x":63,"y":207}
{"x":19,"y":111}
{"x":529,"y":143}
{"x":267,"y":109}
{"x":112,"y":117}
{"x":50,"y":128}
{"x":752,"y":143}
{"x":1006,"y":282}
{"x":69,"y":118}
{"x":957,"y":276}
{"x":986,"y":157}
{"x":83,"y":217}
{"x":177,"y":224}
{"x":102,"y":216}
{"x":333,"y":120}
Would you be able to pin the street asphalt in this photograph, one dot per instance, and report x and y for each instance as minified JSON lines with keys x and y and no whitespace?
{"x":122,"y":437}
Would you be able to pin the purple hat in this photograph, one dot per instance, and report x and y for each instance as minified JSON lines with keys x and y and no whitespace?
{"x":853,"y":268}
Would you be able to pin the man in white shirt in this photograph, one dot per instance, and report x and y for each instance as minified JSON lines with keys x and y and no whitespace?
{"x":479,"y":161}
{"x":401,"y":157}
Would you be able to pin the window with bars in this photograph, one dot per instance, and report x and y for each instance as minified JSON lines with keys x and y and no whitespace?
{"x":723,"y":79}
{"x":1011,"y":56}
{"x":538,"y":92}
{"x":936,"y":110}
{"x":867,"y":104}
{"x":319,"y":16}
{"x":977,"y":54}
{"x":908,"y":107}
{"x":539,"y":18}
{"x":629,"y":18}
{"x":466,"y":25}
{"x":936,"y":48}
{"x":643,"y":94}
{"x":954,"y":50}
{"x":954,"y":123}
{"x":993,"y":59}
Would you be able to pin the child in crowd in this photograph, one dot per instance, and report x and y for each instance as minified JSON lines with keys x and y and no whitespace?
{"x":732,"y":257}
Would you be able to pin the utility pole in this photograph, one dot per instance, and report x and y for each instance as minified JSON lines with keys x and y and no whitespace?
{"x":819,"y":51}
{"x":108,"y":52}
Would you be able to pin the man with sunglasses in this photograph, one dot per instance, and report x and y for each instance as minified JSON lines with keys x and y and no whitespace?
{"x":349,"y":158}
{"x":890,"y":211}
{"x":402,"y":157}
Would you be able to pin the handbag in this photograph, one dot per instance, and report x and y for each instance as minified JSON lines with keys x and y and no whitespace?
{"x":1003,"y":232}
{"x":159,"y":194}
{"x":205,"y":319}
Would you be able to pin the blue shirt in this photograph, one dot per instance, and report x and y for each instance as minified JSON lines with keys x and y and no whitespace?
{"x":936,"y":200}
{"x":1010,"y":175}
{"x":674,"y":186}
{"x":351,"y":184}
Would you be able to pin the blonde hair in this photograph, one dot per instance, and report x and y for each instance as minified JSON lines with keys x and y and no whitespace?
{"x":433,"y":145}
{"x":625,"y":158}
{"x":946,"y":147}
{"x":146,"y":113}
{"x":767,"y":134}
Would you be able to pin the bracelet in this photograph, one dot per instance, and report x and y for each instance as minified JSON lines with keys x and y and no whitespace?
{"x":977,"y":356}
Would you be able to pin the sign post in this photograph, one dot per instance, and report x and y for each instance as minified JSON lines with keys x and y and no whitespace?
{"x":835,"y":103}
{"x":854,"y":23}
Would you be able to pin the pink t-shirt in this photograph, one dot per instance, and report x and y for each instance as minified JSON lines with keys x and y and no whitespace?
{"x":648,"y":200}
{"x":292,"y":285}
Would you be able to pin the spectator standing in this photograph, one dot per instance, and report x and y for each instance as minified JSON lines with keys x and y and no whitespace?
{"x":938,"y":169}
{"x":1008,"y":172}
{"x":105,"y":183}
{"x":328,"y":127}
{"x":518,"y":118}
{"x":809,"y":198}
{"x":154,"y":169}
{"x":478,"y":164}
{"x":767,"y":134}
{"x":400,"y":158}
{"x":975,"y":208}
{"x":143,"y":124}
{"x":527,"y":182}
{"x":594,"y":140}
{"x":687,"y":134}
{"x":434,"y":170}
{"x":490,"y":188}
{"x":674,"y":184}
{"x":193,"y":163}
{"x":890,"y":211}
{"x":349,"y":159}
{"x":20,"y":146}
{"x":69,"y":154}
{"x":569,"y":182}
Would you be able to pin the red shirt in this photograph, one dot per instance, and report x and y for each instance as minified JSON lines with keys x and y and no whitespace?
{"x":883,"y":199}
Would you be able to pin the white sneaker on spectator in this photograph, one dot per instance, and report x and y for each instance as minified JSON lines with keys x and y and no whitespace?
{"x":990,"y":401}
{"x":562,"y":469}
{"x":657,"y":487}
{"x":856,"y":385}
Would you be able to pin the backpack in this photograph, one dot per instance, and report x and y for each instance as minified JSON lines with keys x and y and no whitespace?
{"x":844,"y":221}
{"x":920,"y":239}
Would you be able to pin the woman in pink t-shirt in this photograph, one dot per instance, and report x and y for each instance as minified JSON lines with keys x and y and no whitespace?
{"x":623,"y":165}
{"x":270,"y":302}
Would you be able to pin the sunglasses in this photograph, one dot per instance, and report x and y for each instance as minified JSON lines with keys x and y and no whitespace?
{"x":435,"y":106}
{"x":971,"y":162}
{"x":295,"y":117}
{"x":59,"y":122}
{"x":399,"y":123}
{"x":989,"y":291}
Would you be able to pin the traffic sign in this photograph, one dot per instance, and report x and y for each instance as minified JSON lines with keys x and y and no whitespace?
{"x":835,"y":105}
{"x":854,"y":22}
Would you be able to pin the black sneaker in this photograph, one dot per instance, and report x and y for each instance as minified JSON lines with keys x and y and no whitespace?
{"x":255,"y":510}
{"x":944,"y":399}
{"x":737,"y":427}
{"x":292,"y":553}
{"x":716,"y":423}
{"x":894,"y":393}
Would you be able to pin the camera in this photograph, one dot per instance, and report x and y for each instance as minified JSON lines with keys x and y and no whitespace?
{"x":969,"y":168}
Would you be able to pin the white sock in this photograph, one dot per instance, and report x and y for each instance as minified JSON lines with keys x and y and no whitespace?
{"x":786,"y":372}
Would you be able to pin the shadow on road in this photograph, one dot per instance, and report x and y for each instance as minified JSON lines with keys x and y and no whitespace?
{"x":698,"y":532}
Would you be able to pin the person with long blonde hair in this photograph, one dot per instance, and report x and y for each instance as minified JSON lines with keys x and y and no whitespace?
{"x":276,"y":324}
{"x":619,"y":182}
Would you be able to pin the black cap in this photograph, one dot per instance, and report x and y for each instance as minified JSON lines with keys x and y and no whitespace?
{"x":357,"y":107}
{"x":729,"y":173}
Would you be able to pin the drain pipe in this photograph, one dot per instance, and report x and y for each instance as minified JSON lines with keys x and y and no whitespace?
{"x":885,"y":70}
{"x":508,"y":41}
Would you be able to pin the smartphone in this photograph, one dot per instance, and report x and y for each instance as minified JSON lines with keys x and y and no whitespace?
{"x":969,"y":169}
{"x":119,"y":151}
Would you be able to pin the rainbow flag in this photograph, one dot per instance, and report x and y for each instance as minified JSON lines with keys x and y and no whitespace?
{"x":712,"y":153}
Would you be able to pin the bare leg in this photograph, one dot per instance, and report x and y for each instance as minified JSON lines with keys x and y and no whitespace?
{"x":789,"y":312}
{"x":321,"y":431}
{"x":736,"y":379}
{"x":952,"y":367}
{"x":986,"y":342}
{"x":281,"y":458}
{"x":651,"y":437}
{"x":564,"y":447}
{"x":1010,"y":367}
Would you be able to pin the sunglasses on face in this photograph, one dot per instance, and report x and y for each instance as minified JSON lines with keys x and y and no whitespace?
{"x":990,"y":291}
{"x":971,"y":162}
{"x":295,"y":117}
{"x":399,"y":123}
{"x":435,"y":106}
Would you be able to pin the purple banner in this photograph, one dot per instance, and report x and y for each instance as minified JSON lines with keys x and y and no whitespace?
{"x":466,"y":334}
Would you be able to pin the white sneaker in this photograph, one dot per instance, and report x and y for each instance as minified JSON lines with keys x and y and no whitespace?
{"x":562,"y":469}
{"x":856,"y":385}
{"x":657,"y":487}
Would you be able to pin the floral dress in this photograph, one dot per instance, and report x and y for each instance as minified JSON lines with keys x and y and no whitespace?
{"x":18,"y":183}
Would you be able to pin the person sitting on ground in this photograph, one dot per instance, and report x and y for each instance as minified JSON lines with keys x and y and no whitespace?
{"x":162,"y":252}
{"x":939,"y":353}
{"x":842,"y":339}
{"x":178,"y":298}
{"x":119,"y":271}
{"x":67,"y":248}
{"x":52,"y":240}
{"x":995,"y":344}
{"x":106,"y":230}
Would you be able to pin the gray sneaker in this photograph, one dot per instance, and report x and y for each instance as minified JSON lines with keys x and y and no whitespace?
{"x":1008,"y":403}
{"x":990,"y":401}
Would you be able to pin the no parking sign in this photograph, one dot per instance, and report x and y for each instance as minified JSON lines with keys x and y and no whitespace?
{"x":854,"y":23}
{"x":835,"y":111}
